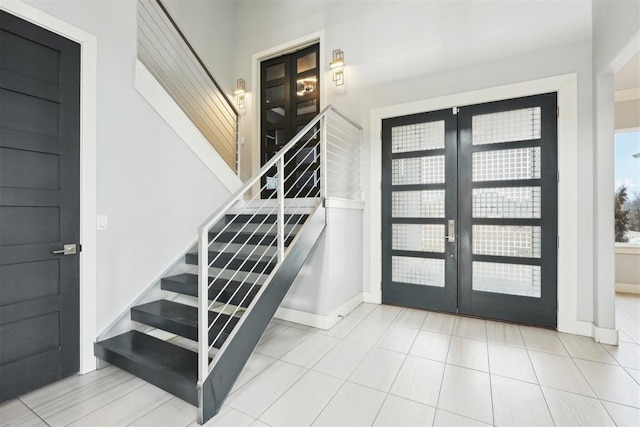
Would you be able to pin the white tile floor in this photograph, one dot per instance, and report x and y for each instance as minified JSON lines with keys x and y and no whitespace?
{"x":383,"y":365}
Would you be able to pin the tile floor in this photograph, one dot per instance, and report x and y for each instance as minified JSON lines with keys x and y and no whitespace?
{"x":383,"y":365}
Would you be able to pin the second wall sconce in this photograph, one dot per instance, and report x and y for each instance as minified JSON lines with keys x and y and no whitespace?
{"x":337,"y":67}
{"x":239,"y":93}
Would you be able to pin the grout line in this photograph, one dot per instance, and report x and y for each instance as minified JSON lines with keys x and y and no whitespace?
{"x":444,"y":371}
{"x":33,"y":411}
{"x":493,"y":410}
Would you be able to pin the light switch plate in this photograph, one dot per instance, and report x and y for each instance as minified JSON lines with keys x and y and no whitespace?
{"x":103,"y":223}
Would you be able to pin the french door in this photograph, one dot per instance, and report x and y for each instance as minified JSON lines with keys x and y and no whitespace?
{"x":290,"y":98}
{"x":469,"y":209}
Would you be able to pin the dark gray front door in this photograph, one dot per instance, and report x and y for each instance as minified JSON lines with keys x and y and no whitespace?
{"x":469,"y":210}
{"x":39,"y":206}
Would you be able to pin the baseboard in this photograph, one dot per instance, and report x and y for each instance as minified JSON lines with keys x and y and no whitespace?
{"x":317,"y":320}
{"x":628,"y":288}
{"x":604,"y":335}
{"x":166,"y":107}
{"x":372,"y":297}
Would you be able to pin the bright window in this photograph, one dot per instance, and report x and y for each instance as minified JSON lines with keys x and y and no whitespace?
{"x":627,"y":187}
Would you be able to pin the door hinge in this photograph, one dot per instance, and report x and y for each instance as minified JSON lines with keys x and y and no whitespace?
{"x":558,"y":242}
{"x":455,"y":110}
{"x":558,"y":112}
{"x":558,"y":176}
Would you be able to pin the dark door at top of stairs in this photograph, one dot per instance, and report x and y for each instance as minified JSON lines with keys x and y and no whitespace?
{"x":39,"y":206}
{"x":290,"y":99}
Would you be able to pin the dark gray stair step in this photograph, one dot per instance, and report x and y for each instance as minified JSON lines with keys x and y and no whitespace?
{"x":168,"y":366}
{"x":266,"y":218}
{"x":257,"y":238}
{"x":187,"y":284}
{"x":240,"y":262}
{"x":182,"y":319}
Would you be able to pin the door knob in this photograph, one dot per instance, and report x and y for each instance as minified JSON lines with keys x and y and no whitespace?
{"x":67,"y":250}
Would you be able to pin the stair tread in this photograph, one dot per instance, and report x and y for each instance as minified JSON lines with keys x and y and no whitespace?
{"x":261,"y":264}
{"x":234,"y":291}
{"x":251,"y":238}
{"x":182,"y":313}
{"x":266,"y":218}
{"x":155,"y":354}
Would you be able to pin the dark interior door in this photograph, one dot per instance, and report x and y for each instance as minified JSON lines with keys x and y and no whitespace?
{"x":469,"y":208}
{"x":290,"y":99}
{"x":39,"y":206}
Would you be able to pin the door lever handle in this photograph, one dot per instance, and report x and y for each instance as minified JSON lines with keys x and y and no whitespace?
{"x":67,"y":250}
{"x":451,"y":231}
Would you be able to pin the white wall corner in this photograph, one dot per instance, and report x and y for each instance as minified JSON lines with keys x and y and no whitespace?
{"x":153,"y":92}
{"x":317,"y":320}
{"x":605,"y":335}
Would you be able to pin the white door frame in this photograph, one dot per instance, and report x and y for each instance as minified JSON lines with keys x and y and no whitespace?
{"x":567,"y":88}
{"x":88,"y":98}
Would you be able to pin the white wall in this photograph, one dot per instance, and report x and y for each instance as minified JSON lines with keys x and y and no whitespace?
{"x":615,"y":22}
{"x":616,"y":37}
{"x":399,"y":52}
{"x":208,"y":25}
{"x":153,"y":188}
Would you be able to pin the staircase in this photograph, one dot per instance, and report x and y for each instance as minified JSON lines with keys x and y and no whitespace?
{"x":247,"y":256}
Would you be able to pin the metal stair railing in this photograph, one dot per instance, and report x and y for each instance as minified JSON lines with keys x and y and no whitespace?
{"x":168,"y":55}
{"x":327,"y":164}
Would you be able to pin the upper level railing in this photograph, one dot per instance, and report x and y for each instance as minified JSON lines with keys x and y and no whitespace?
{"x":165,"y":51}
{"x":322,"y":160}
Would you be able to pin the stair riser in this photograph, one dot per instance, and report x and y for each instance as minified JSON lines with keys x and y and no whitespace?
{"x":256,"y":239}
{"x":260,"y":267}
{"x":267,"y":219}
{"x":178,"y":328}
{"x":129,"y":356}
{"x":226,"y":296}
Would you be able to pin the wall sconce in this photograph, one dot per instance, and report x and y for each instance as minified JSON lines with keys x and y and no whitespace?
{"x":239,"y":93}
{"x":337,"y":66}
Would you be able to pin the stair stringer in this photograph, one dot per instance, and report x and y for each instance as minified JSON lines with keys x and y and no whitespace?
{"x":232,"y":357}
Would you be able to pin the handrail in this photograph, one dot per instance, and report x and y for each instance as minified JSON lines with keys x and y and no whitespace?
{"x":213,"y":219}
{"x":165,"y":51}
{"x":195,"y":54}
{"x":314,"y":149}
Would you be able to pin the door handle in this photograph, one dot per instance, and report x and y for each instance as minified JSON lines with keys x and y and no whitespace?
{"x":451,"y":231}
{"x":67,"y":250}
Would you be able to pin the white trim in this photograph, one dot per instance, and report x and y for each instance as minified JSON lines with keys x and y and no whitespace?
{"x":274,"y":52}
{"x":334,"y":203}
{"x":88,"y":110}
{"x":153,"y":92}
{"x":628,"y":249}
{"x":605,"y":336}
{"x":627,"y":94}
{"x":318,"y":320}
{"x":624,"y":55}
{"x":372,"y":297}
{"x":628,"y":288}
{"x":566,"y":87}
